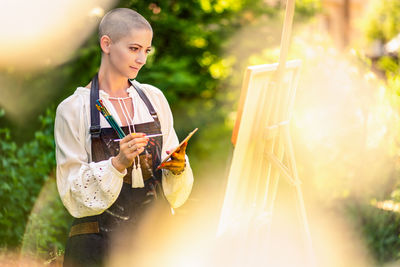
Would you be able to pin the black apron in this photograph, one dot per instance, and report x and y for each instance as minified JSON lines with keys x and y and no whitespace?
{"x":88,"y":245}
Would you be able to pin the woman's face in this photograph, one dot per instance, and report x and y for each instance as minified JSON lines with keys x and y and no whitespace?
{"x":129,"y":54}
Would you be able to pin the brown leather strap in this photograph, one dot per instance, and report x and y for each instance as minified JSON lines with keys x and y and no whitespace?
{"x":84,"y":228}
{"x":146,"y":100}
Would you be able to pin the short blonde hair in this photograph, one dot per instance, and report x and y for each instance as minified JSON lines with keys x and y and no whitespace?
{"x":118,"y":22}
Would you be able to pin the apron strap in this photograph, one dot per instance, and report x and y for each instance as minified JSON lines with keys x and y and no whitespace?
{"x":95,"y":129}
{"x":146,"y":100}
{"x":94,"y":113}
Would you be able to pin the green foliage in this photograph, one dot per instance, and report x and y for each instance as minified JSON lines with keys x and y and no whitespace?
{"x":23,"y":170}
{"x":379,"y":228}
{"x":308,"y":8}
{"x":382,"y":26}
{"x":48,"y":224}
{"x":383,"y":21}
{"x":389,"y":64}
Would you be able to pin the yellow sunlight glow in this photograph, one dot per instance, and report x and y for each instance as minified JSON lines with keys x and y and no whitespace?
{"x":43,"y":33}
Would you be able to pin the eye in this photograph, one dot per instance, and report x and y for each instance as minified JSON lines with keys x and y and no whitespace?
{"x":148,"y":51}
{"x":134,"y":49}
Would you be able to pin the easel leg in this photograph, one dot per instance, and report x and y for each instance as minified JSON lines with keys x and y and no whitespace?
{"x":299,"y":195}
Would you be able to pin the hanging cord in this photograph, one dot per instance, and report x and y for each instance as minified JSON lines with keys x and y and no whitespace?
{"x":133,"y":125}
{"x":137,"y":177}
{"x":130,"y":123}
{"x":124,"y":110}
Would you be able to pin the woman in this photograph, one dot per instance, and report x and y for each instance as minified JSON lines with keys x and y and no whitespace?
{"x":104,"y":183}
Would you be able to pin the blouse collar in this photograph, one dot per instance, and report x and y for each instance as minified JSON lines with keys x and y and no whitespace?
{"x":130,"y":90}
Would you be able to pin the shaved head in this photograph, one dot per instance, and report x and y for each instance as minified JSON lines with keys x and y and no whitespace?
{"x":119,"y":22}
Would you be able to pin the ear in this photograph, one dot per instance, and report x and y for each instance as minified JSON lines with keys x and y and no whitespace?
{"x":105,"y":43}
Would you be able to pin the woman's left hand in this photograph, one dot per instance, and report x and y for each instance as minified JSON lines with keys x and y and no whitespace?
{"x":177,"y":163}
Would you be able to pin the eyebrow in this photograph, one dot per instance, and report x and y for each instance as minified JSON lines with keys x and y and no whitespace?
{"x":139,"y":45}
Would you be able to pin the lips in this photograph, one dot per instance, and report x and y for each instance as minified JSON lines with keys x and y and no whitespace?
{"x":134,"y":68}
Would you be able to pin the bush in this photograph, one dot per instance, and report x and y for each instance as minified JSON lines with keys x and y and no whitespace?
{"x":48,"y":225}
{"x":379,"y":228}
{"x":23,"y":171}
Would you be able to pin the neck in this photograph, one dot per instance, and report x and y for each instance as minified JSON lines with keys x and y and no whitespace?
{"x":112,"y":83}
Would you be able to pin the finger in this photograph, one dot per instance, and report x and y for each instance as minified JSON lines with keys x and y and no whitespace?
{"x":172,"y":164}
{"x":139,"y":140}
{"x":178,"y":156}
{"x":182,"y":148}
{"x":172,"y":168}
{"x":139,"y":151}
{"x":175,"y":149}
{"x":142,"y":141}
{"x":136,"y":135}
{"x":134,"y":153}
{"x":131,"y":136}
{"x":181,"y":153}
{"x":134,"y":147}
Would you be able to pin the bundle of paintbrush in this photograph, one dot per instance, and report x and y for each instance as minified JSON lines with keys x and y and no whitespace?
{"x":103,"y":110}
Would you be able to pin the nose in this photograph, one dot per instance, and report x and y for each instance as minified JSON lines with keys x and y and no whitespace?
{"x":141,"y":58}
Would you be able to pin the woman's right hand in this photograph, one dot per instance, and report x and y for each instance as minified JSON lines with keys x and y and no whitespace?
{"x":129,"y":148}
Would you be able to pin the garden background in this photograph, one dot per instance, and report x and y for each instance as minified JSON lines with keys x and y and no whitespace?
{"x":345,"y":124}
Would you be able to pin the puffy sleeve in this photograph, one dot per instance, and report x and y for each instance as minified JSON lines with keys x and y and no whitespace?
{"x":176,"y":188}
{"x":85,"y":188}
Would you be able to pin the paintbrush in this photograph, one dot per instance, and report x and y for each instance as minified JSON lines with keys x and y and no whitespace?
{"x":110,"y":119}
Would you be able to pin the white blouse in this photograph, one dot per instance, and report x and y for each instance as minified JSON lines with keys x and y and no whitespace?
{"x":88,"y":188}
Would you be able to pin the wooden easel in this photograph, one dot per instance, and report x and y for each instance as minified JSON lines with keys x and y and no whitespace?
{"x":264,"y":150}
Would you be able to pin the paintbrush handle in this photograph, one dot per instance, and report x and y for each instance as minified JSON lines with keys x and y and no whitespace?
{"x":103,"y":110}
